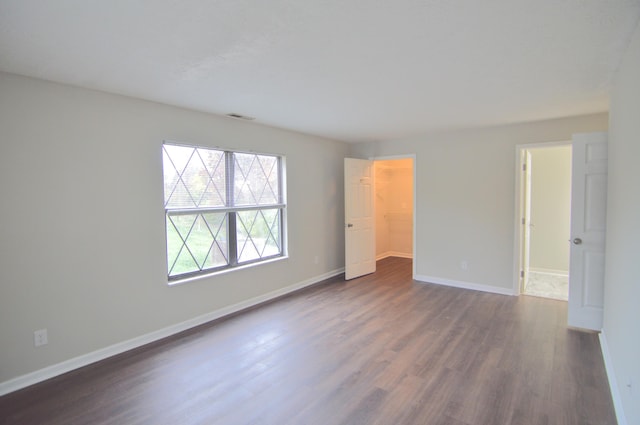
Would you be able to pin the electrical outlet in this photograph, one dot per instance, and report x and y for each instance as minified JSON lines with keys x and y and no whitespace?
{"x":464,"y":265}
{"x":40,"y":338}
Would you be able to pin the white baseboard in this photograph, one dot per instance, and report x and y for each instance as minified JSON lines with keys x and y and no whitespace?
{"x":465,"y":285}
{"x":549,"y":271}
{"x":613,"y":382}
{"x":393,"y":254}
{"x":118,"y":348}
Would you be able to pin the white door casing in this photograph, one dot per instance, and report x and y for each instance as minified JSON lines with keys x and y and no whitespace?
{"x":526,"y":220}
{"x":360,"y":250}
{"x":588,"y":230}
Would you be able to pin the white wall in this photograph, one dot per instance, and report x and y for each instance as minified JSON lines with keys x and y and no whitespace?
{"x":622,"y":276}
{"x":550,"y":208}
{"x":82,"y":222}
{"x":465,"y":197}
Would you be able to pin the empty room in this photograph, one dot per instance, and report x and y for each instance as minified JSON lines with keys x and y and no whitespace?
{"x":319,"y":212}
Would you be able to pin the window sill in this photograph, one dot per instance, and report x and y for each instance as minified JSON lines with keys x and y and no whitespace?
{"x":225,"y":271}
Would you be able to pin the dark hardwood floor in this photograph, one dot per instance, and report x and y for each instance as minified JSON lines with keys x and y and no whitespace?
{"x":381,"y":349}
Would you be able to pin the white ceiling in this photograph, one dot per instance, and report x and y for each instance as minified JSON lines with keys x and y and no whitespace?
{"x":353,"y":70}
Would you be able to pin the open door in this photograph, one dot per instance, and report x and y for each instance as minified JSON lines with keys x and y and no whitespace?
{"x":360,"y":249}
{"x":588,"y":230}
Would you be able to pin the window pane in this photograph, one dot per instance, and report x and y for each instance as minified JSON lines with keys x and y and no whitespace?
{"x":258,"y":234}
{"x":178,"y":257}
{"x":256,"y":179}
{"x":174,"y":161}
{"x":193,"y":177}
{"x":174,"y":246}
{"x":196,"y":242}
{"x":214,"y":194}
{"x":219,"y":253}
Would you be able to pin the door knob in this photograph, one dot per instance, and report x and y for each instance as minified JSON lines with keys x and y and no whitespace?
{"x":577,"y":241}
{"x":349,"y":225}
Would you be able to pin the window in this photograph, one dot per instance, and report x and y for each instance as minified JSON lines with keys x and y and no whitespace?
{"x":223,"y":209}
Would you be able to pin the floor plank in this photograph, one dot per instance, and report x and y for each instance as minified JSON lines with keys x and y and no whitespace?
{"x":381,"y":349}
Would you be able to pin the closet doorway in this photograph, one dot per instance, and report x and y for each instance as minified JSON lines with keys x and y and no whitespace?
{"x":394,"y":207}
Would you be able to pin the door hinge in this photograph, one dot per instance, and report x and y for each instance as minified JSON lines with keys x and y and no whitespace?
{"x":524,"y":167}
{"x":523,"y":221}
{"x":522,"y":274}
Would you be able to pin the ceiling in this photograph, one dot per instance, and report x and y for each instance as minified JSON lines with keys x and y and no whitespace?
{"x":352,"y":70}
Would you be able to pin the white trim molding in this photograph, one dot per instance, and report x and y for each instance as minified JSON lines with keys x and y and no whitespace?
{"x":613,"y":382}
{"x":465,"y":285}
{"x":393,"y":254}
{"x":121,"y":347}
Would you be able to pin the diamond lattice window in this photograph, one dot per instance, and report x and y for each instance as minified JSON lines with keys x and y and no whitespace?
{"x":223,"y":208}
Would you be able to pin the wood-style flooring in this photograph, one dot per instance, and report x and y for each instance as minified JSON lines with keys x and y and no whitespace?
{"x":381,"y":349}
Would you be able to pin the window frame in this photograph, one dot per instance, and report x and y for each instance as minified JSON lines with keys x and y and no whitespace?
{"x":231,"y":213}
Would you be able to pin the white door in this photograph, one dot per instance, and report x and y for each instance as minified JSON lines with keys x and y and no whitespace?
{"x":588,"y":229}
{"x":360,"y":249}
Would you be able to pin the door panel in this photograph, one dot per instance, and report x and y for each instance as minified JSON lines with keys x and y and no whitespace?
{"x":588,"y":230}
{"x":360,"y":255}
{"x":595,"y":213}
{"x":593,"y":296}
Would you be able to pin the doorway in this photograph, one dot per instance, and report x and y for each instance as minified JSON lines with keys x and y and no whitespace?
{"x":394,"y":207}
{"x":545,"y":199}
{"x":379,"y":212}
